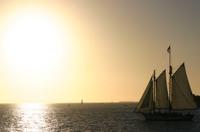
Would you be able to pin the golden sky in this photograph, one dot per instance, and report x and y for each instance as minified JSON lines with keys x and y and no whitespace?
{"x":95,"y":50}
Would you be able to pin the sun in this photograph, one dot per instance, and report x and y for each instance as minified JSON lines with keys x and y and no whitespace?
{"x":33,"y":42}
{"x":35,"y":46}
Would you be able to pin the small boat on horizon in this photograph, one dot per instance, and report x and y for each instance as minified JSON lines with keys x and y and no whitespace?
{"x":168,"y":104}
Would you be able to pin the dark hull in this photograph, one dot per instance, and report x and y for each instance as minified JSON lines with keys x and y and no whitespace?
{"x":171,"y":116}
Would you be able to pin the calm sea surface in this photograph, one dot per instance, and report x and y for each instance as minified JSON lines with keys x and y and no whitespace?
{"x":113,"y":117}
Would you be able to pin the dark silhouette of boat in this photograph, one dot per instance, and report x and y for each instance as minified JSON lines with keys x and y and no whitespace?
{"x":173,"y":104}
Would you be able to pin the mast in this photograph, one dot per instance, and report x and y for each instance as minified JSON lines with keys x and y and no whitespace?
{"x":170,"y":77}
{"x":154,"y":90}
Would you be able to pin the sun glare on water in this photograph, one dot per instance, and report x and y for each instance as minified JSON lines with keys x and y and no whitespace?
{"x":32,"y":117}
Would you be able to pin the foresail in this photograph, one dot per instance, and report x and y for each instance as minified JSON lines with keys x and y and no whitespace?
{"x":145,"y":104}
{"x":162,"y":101}
{"x":182,"y":97}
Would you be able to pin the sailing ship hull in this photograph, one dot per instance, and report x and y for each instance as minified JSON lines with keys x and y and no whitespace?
{"x":171,"y":116}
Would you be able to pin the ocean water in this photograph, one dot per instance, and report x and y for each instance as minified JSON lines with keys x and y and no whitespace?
{"x":110,"y":117}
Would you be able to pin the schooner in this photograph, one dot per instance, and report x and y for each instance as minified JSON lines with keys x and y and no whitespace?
{"x":174,"y":103}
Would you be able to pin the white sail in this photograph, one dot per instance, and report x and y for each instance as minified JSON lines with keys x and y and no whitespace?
{"x":145,"y":104}
{"x":162,"y":101}
{"x":182,"y":97}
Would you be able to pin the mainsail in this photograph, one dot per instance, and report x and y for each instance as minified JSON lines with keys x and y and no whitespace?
{"x":162,"y":101}
{"x":145,"y":104}
{"x":182,"y":97}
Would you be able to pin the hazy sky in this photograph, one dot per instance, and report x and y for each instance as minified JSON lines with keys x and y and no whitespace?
{"x":95,"y":50}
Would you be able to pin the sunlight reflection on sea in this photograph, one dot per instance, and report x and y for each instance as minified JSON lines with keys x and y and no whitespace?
{"x":29,"y":117}
{"x":101,"y":117}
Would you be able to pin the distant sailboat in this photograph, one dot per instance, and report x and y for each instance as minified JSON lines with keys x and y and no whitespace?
{"x":177,"y":103}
